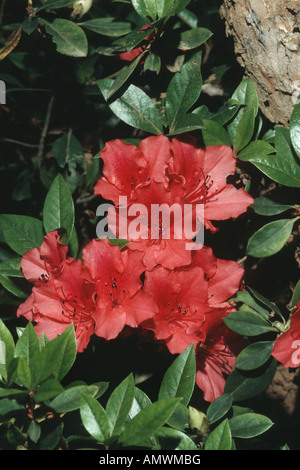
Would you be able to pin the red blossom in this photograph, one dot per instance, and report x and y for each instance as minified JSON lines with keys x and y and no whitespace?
{"x":190,"y":305}
{"x":120,"y":300}
{"x":171,"y":172}
{"x":286,"y":347}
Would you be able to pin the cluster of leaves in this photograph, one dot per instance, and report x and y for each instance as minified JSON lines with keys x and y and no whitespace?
{"x":35,"y":404}
{"x":160,"y":91}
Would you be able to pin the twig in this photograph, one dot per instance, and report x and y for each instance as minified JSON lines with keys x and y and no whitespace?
{"x":44,"y":132}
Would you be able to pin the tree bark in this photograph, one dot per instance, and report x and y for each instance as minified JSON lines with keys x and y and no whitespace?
{"x":266,"y":35}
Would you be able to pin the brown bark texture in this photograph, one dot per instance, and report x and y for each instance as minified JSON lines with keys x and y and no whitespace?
{"x":266,"y":35}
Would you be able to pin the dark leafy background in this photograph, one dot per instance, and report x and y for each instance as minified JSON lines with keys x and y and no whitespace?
{"x":34,"y":73}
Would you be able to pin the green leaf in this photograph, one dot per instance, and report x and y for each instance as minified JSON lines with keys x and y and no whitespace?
{"x":23,"y":373}
{"x":69,"y":399}
{"x":243,"y":385}
{"x":8,"y":406}
{"x":214,"y":134}
{"x":59,"y":354}
{"x":173,"y":439}
{"x":69,"y":38}
{"x":265,"y":206}
{"x":130,"y":41}
{"x":48,"y":389}
{"x":147,"y":422}
{"x":11,"y":287}
{"x":107,"y":26}
{"x":34,"y":431}
{"x":193,"y":38}
{"x":67,"y":150}
{"x":22,"y":233}
{"x":188,"y":123}
{"x":55,"y":4}
{"x":58,"y":211}
{"x":270,"y":239}
{"x":94,"y":418}
{"x":218,"y":408}
{"x":7,"y":349}
{"x":220,"y":438}
{"x":140,"y":401}
{"x":254,"y":355}
{"x":284,"y":167}
{"x":179,"y":379}
{"x":152,"y":63}
{"x":256,"y":148}
{"x":123,"y":76}
{"x":152,"y":8}
{"x":28,"y":344}
{"x":245,"y":129}
{"x":249,"y":425}
{"x":183,"y":90}
{"x":245,"y":94}
{"x":295,"y":129}
{"x":135,"y":108}
{"x":119,"y":403}
{"x":248,"y":300}
{"x":247,"y":323}
{"x":177,"y":7}
{"x":266,"y":302}
{"x":296,"y":295}
{"x":11,"y":267}
{"x":51,"y":434}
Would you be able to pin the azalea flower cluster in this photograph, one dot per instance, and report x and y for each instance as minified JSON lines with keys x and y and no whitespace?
{"x":180,"y":295}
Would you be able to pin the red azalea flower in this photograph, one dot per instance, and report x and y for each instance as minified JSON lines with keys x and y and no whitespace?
{"x":62,"y":294}
{"x":120,"y":300}
{"x":176,"y":172}
{"x":286,"y":347}
{"x":198,"y":176}
{"x":215,"y":359}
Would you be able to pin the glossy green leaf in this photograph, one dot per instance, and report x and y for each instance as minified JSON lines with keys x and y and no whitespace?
{"x":247,"y":323}
{"x":173,"y":439}
{"x":256,"y":148}
{"x":152,"y":8}
{"x":249,"y":425}
{"x":34,"y":431}
{"x":152,"y":63}
{"x":284,"y":167}
{"x":193,"y":38}
{"x":11,"y":287}
{"x":21,"y":233}
{"x":47,"y":390}
{"x":11,"y":267}
{"x":130,"y":41}
{"x":119,"y":403}
{"x":295,"y":129}
{"x":58,"y":211}
{"x":55,"y":4}
{"x":246,"y":94}
{"x":183,"y":90}
{"x":296,"y":295}
{"x":94,"y":418}
{"x":148,"y":421}
{"x":188,"y":123}
{"x":140,"y":401}
{"x":51,"y":434}
{"x":243,"y":385}
{"x":107,"y":26}
{"x":218,"y":408}
{"x":135,"y":108}
{"x":254,"y":355}
{"x":265,"y":206}
{"x":23,"y":373}
{"x":248,"y":300}
{"x":123,"y":76}
{"x":270,"y":239}
{"x":214,"y":134}
{"x":220,"y":438}
{"x":179,"y":379}
{"x":245,"y":129}
{"x":7,"y":349}
{"x":69,"y":399}
{"x":67,"y":150}
{"x":69,"y":38}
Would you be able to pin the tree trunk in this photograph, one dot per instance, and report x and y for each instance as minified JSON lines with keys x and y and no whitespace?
{"x":266,"y":35}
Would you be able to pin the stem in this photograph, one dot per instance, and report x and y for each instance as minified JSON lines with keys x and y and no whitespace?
{"x":44,"y":132}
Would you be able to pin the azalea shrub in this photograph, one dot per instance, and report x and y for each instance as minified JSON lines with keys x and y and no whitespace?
{"x":149,"y":280}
